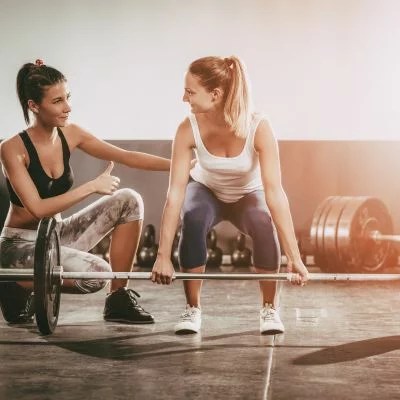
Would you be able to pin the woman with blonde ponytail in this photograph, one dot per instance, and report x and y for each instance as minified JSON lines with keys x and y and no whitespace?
{"x":236,"y":178}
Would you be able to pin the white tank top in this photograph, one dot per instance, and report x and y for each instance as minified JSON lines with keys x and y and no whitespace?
{"x":230,"y":178}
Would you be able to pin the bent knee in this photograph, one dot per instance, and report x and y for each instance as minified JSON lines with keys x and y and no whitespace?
{"x":257,"y":222}
{"x":130,"y":203}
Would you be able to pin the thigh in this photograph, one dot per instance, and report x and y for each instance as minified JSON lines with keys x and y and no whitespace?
{"x":19,"y":253}
{"x":200,"y":212}
{"x":249,"y":212}
{"x":252,"y":217}
{"x":84,"y":229}
{"x":201,"y":206}
{"x":74,"y":260}
{"x":16,"y":253}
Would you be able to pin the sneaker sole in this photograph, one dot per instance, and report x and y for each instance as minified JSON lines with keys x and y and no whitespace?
{"x":124,"y":321}
{"x":186,"y":327}
{"x":272,"y":332}
{"x":30,"y":322}
{"x":185,"y":332}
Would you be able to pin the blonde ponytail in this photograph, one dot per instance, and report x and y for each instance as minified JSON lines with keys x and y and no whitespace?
{"x":238,"y":107}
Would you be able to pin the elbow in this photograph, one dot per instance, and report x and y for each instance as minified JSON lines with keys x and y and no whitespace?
{"x":275,"y":196}
{"x":174,"y":197}
{"x":272,"y":191}
{"x":170,"y":202}
{"x":37,"y":212}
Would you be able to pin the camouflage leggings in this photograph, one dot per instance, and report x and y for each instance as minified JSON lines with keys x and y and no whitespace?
{"x":78,"y":234}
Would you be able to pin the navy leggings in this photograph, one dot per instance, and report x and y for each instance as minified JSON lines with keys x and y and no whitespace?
{"x":202,"y":210}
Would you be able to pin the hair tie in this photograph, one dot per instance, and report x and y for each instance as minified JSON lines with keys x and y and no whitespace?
{"x":39,"y":62}
{"x":228,"y":63}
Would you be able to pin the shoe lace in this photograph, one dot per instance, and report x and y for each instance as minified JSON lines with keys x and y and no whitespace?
{"x":187,"y":315}
{"x":132,"y":294}
{"x":29,"y":309}
{"x":267,"y":313}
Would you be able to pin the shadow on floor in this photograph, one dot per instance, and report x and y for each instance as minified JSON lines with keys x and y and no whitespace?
{"x":350,"y":351}
{"x":128,"y":347}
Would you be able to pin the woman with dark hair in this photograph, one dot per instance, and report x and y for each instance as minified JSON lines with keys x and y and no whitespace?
{"x":237,"y":178}
{"x":39,"y":179}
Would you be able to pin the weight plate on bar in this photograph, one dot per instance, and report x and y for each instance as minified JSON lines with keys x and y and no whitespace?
{"x":356,"y":248}
{"x":46,"y":289}
{"x":331,"y":256}
{"x":317,"y":233}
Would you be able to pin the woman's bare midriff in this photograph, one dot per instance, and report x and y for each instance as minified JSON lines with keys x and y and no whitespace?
{"x":19,"y":217}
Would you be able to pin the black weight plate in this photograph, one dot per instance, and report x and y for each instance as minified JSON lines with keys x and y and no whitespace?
{"x":47,"y":291}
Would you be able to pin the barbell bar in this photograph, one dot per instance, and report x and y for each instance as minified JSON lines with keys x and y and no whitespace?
{"x":289,"y":276}
{"x":377,"y":236}
{"x":59,"y":275}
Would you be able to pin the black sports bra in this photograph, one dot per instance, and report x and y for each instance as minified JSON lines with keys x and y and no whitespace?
{"x":46,"y":186}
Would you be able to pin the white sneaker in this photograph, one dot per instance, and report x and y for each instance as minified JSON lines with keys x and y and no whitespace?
{"x":190,"y":321}
{"x":270,"y":322}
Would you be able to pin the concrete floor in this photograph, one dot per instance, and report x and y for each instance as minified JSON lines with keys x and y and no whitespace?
{"x":342,"y":341}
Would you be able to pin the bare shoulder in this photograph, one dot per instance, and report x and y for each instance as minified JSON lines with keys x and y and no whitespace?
{"x":74,"y":134}
{"x":184,"y":133}
{"x":10,"y":146}
{"x":184,"y":126}
{"x":264,"y":135}
{"x":264,"y":124}
{"x":72,"y":129}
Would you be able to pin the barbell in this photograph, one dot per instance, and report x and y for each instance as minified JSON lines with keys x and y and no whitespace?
{"x":338,"y":224}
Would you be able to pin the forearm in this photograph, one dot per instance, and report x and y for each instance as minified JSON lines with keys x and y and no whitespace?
{"x":54,"y":205}
{"x":169,"y":223}
{"x":135,"y":159}
{"x":280,"y":211}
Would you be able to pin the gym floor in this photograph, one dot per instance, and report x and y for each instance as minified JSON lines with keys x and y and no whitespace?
{"x":342,"y":341}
